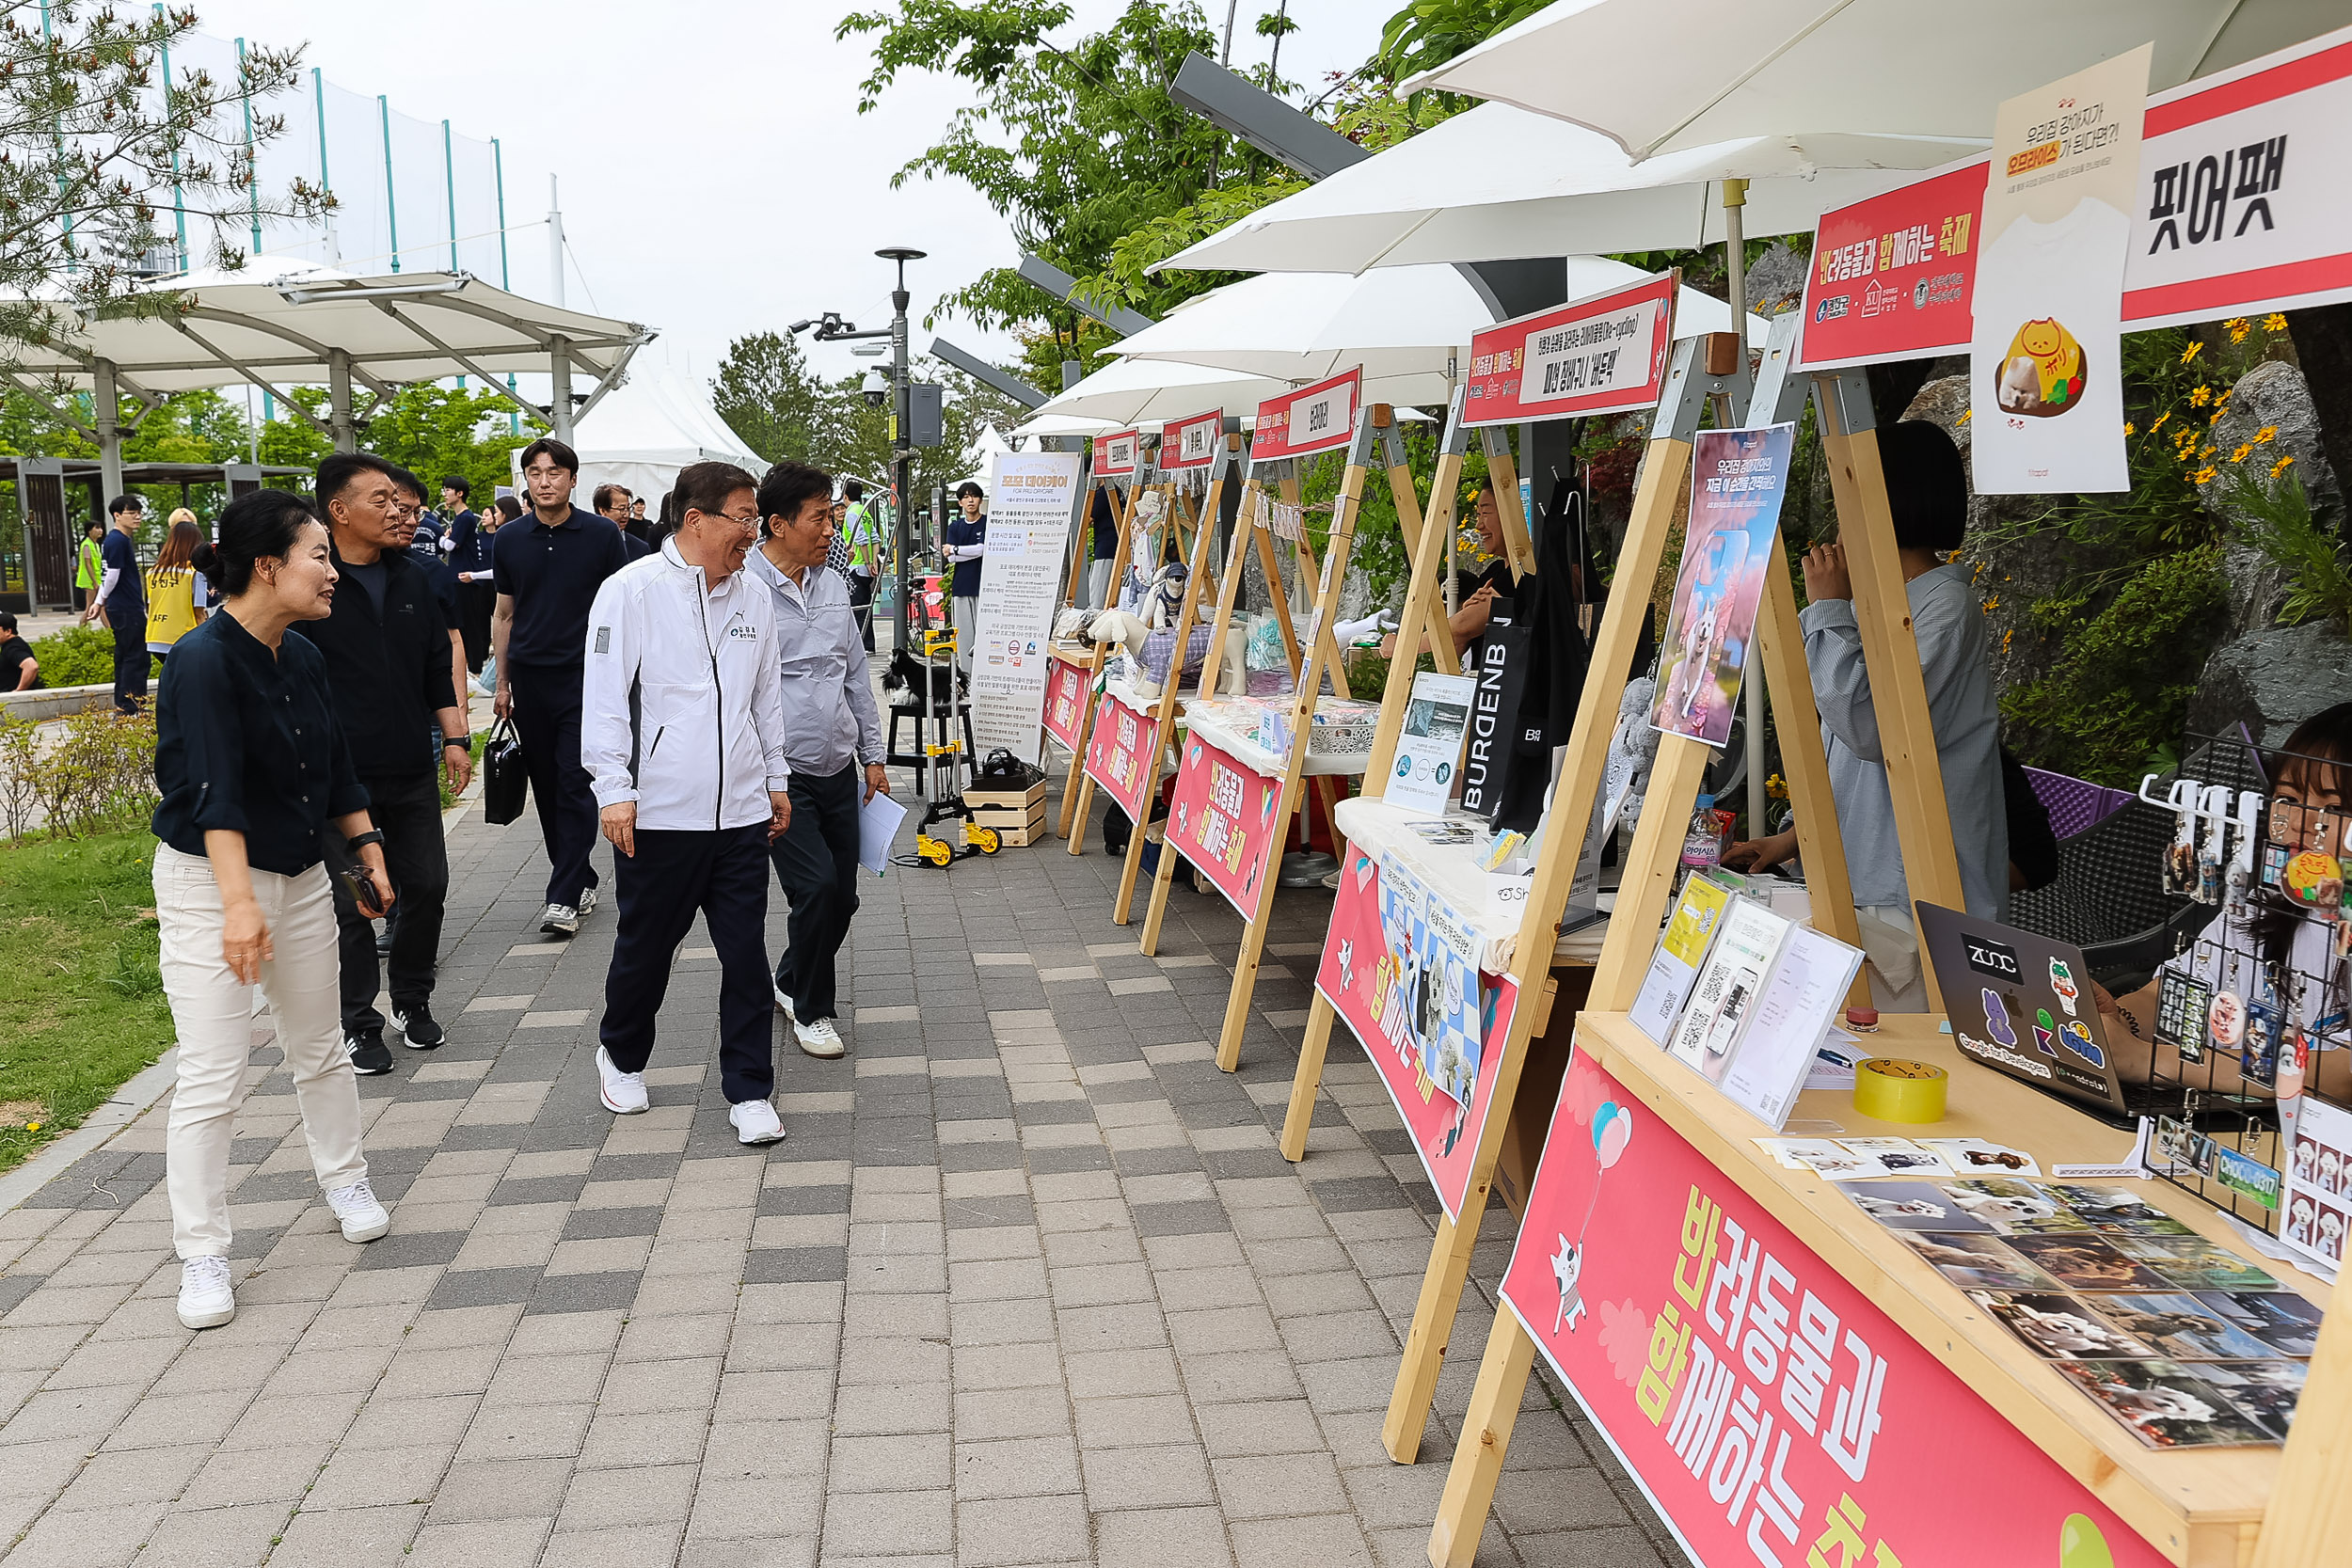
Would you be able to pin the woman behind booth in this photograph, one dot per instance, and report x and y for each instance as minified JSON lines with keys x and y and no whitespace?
{"x":1927,"y":489}
{"x":252,"y":768}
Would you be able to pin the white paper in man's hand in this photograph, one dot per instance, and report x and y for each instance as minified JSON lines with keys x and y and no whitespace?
{"x":877,"y":825}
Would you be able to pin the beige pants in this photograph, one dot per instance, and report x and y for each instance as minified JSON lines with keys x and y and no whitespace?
{"x":1892,"y":944}
{"x":214,"y":1015}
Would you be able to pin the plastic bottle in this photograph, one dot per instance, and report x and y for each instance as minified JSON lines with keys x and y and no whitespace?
{"x":1703,"y":847}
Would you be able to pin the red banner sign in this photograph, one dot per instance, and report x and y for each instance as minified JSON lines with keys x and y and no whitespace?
{"x":1222,"y":819}
{"x":1191,"y":443}
{"x":1115,"y":454}
{"x":1750,"y":1388}
{"x":1599,"y":356}
{"x":1313,"y":419}
{"x":1355,"y":978}
{"x":1894,"y":277}
{"x":1065,"y":701}
{"x":1120,"y":750}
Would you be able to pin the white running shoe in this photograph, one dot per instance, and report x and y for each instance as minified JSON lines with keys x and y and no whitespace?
{"x":363,"y":1219}
{"x":756,"y":1122}
{"x":819,"y":1039}
{"x":587,"y":902}
{"x":783,"y":1005}
{"x":562,"y":920}
{"x":623,"y":1093}
{"x":205,"y":1299}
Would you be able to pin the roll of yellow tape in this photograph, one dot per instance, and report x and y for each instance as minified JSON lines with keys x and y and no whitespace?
{"x":1888,"y":1088}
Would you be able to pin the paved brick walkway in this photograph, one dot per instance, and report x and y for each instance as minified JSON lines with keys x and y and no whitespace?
{"x":1028,"y":1283}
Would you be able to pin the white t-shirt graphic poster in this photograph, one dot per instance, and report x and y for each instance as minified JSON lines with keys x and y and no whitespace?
{"x":2045,"y":393}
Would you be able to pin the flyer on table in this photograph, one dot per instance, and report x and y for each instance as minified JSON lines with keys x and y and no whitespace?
{"x":1737,"y":481}
{"x":2045,"y":360}
{"x":1032,"y":497}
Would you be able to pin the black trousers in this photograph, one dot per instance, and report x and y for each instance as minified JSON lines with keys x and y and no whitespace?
{"x":130,"y":656}
{"x":475,"y":603}
{"x":862,"y":606}
{"x":409,"y":813}
{"x":817,"y":866}
{"x":724,"y":874}
{"x":546,"y":717}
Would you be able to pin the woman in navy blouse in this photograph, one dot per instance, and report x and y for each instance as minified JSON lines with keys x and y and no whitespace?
{"x":253,"y":771}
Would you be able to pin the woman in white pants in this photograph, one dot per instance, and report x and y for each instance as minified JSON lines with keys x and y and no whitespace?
{"x":253,"y":769}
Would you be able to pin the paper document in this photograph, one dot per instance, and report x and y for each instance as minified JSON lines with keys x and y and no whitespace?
{"x":877,"y":825}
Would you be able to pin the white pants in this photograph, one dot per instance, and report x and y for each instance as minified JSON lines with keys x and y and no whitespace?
{"x":1891,"y":942}
{"x":964,"y":615}
{"x":214,"y":1015}
{"x":1098,"y":587}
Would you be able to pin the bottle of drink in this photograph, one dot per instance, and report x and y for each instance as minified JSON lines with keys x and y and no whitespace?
{"x":1703,"y":846}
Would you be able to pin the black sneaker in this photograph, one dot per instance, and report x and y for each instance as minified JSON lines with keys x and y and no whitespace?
{"x":369,"y":1057}
{"x":417,"y":1027}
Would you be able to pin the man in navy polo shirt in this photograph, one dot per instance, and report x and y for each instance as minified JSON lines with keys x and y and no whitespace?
{"x":548,"y":564}
{"x":122,"y":600}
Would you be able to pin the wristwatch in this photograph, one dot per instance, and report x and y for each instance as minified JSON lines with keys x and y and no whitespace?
{"x":374,"y":835}
{"x":463,"y":742}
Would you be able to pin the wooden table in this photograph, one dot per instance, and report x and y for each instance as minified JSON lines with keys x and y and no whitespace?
{"x":2199,"y":1507}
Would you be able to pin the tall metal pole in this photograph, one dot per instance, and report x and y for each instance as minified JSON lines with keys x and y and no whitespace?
{"x":178,"y":203}
{"x":318,"y":100}
{"x":555,"y":246}
{"x":507,"y":281}
{"x":449,"y":184}
{"x":392,"y":203}
{"x":560,"y":405}
{"x":252,"y":185}
{"x":106,"y":404}
{"x":902,"y":454}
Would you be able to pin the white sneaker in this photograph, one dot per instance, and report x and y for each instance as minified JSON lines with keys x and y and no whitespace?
{"x":756,"y":1122}
{"x":819,"y":1039}
{"x":561,"y":919}
{"x":364,"y":1218}
{"x":587,"y":902}
{"x":623,"y":1093}
{"x":783,"y":1005}
{"x":206,"y":1300}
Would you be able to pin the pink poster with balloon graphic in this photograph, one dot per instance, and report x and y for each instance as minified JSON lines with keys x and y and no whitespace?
{"x":1771,"y":1411}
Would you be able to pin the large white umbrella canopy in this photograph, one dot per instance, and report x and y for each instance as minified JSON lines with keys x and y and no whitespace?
{"x":1680,"y":75}
{"x":1394,"y":321}
{"x":1152,"y":391}
{"x":1501,"y":183}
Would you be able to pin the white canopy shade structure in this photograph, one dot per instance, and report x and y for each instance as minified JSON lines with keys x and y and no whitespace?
{"x":1712,"y":70}
{"x":1501,"y":183}
{"x":644,"y":431}
{"x":1062,"y":425}
{"x":1392,"y":321}
{"x":1151,"y":391}
{"x":278,"y":324}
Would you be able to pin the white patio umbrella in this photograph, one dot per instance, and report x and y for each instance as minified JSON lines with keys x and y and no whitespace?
{"x":1684,"y":74}
{"x":1501,"y":183}
{"x":1152,"y":391}
{"x":1394,"y":320}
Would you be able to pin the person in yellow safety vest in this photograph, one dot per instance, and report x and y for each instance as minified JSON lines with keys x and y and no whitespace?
{"x":861,"y":539}
{"x":89,"y":568}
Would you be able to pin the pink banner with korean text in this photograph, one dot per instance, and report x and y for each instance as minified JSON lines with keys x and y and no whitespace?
{"x":1190,"y":443}
{"x":1311,"y":419}
{"x":1769,"y":1410}
{"x":1119,"y":753}
{"x":1222,"y":819}
{"x":1065,"y":701}
{"x":1370,"y":983}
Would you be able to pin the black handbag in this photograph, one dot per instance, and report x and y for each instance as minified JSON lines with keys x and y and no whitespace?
{"x":504,"y":784}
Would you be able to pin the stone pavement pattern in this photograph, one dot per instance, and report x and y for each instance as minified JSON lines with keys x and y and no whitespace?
{"x":1028,"y":1282}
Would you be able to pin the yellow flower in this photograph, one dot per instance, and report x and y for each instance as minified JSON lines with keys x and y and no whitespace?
{"x":2200,"y":395}
{"x":2205,"y":452}
{"x":2274,"y":323}
{"x":2129,"y":429}
{"x":2194,"y":349}
{"x":2281,"y":466}
{"x":1992,"y":604}
{"x":2203,"y":475}
{"x":2240,"y":455}
{"x":2266,"y":435}
{"x":2215,"y":418}
{"x":32,"y":1126}
{"x":2159,"y":424}
{"x":1964,"y":418}
{"x":2238,"y":331}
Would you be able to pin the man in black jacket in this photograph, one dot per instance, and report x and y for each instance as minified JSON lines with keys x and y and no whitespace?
{"x":387,"y":644}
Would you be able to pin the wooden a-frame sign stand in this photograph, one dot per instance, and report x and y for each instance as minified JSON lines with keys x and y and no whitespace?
{"x":1866,"y":527}
{"x":1124,"y":490}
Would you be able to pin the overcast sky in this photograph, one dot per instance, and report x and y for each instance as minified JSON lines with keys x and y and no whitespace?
{"x":716,"y":176}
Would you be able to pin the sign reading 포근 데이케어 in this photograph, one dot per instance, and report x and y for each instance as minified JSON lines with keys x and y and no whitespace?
{"x":1191,"y":443}
{"x":1313,"y":419}
{"x":1033,"y":496}
{"x":1767,"y":1407}
{"x":1599,"y":356}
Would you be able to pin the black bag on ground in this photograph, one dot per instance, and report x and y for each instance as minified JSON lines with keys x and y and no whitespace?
{"x":504,"y":784}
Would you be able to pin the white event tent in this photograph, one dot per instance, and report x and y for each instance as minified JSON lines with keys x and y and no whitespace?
{"x":644,"y":430}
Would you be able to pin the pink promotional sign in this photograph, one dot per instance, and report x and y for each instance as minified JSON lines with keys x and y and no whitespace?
{"x":1354,"y":979}
{"x":1191,"y":443}
{"x":1599,"y":356}
{"x":1750,"y":1388}
{"x":1119,"y":753}
{"x":1115,"y":454}
{"x":1222,"y":819}
{"x":1065,"y":701}
{"x":1313,"y":419}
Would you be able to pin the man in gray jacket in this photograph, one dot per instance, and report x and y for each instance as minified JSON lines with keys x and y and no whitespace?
{"x":833,"y":742}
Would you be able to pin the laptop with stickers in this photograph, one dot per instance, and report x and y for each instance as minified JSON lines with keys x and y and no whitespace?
{"x":2022,"y":1004}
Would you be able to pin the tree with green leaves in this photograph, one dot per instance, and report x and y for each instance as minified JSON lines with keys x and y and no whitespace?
{"x":766,"y":395}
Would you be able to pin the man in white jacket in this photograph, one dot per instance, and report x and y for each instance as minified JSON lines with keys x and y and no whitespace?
{"x":682,"y":734}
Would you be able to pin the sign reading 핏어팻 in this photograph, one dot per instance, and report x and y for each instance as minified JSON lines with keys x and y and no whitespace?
{"x":1599,"y":356}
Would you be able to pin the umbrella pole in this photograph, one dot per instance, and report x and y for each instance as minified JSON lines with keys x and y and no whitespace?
{"x":1736,"y":273}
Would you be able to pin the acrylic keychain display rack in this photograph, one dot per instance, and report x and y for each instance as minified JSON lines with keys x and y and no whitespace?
{"x":2252,"y":997}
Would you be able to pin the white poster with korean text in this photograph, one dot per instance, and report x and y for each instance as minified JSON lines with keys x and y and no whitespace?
{"x":2044,"y":357}
{"x":1032,"y":497}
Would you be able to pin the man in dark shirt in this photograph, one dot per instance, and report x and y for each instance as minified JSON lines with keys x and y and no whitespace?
{"x":19,"y":670}
{"x":386,"y":647}
{"x":470,"y":562}
{"x":550,"y":564}
{"x":1102,"y":519}
{"x":121,"y":597}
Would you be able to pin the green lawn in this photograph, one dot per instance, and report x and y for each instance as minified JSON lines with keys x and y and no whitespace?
{"x":82,"y":1006}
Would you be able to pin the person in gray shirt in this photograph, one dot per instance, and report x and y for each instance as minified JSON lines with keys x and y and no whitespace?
{"x":1928,"y":492}
{"x":832,"y":739}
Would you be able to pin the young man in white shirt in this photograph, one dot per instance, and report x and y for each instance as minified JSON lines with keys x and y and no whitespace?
{"x":682,"y":734}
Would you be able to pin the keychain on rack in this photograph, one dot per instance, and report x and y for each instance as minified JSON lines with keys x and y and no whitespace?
{"x":2245,"y":833}
{"x":2213,"y":853}
{"x":2225,"y":1019}
{"x":2182,"y":1001}
{"x":2180,"y":856}
{"x":2295,"y":1046}
{"x":2280,"y":834}
{"x":2260,"y":1061}
{"x":2314,"y":878}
